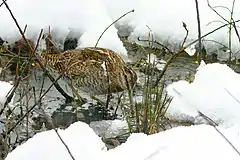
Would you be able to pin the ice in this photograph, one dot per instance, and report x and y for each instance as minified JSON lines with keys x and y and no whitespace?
{"x":109,"y":128}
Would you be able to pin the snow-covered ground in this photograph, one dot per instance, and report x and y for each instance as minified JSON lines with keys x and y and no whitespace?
{"x":86,"y":20}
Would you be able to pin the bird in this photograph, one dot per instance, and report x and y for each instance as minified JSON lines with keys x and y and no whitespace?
{"x":92,"y":70}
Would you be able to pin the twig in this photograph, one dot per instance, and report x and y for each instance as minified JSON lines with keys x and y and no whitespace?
{"x":216,"y":11}
{"x":25,"y":29}
{"x":2,"y":3}
{"x":210,"y":40}
{"x":232,"y":95}
{"x":150,"y":35}
{"x":222,"y":135}
{"x":69,"y":152}
{"x":199,"y":34}
{"x":234,"y":25}
{"x":111,"y":25}
{"x":231,"y":22}
{"x":215,"y":21}
{"x":165,"y":47}
{"x":185,"y":38}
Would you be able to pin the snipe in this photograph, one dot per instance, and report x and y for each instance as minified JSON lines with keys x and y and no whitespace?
{"x":92,"y":70}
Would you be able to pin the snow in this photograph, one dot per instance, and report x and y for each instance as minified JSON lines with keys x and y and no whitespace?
{"x":183,"y":143}
{"x":214,"y":92}
{"x":86,"y":20}
{"x":5,"y":89}
{"x":159,"y":64}
{"x":81,"y":17}
{"x":79,"y":137}
{"x":191,"y":50}
{"x":165,"y":19}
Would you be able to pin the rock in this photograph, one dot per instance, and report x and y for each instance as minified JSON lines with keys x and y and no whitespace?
{"x":70,"y":43}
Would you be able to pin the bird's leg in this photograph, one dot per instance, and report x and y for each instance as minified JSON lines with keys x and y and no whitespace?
{"x":98,"y":100}
{"x":106,"y":104}
{"x":74,"y":91}
{"x":108,"y":100}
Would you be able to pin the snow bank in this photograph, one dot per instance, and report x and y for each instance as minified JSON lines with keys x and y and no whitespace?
{"x":84,"y":17}
{"x":214,"y":92}
{"x":90,"y":18}
{"x":165,"y":19}
{"x":183,"y":143}
{"x":79,"y":137}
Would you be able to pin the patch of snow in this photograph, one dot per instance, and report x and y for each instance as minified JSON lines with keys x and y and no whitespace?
{"x":214,"y":92}
{"x":202,"y":64}
{"x":191,"y":50}
{"x":5,"y":89}
{"x":159,"y":64}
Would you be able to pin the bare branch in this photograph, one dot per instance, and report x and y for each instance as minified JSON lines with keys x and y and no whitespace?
{"x":222,"y":135}
{"x":199,"y":34}
{"x":111,"y":25}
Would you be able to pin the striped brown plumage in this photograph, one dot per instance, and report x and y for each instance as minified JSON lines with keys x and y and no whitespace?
{"x":93,"y":70}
